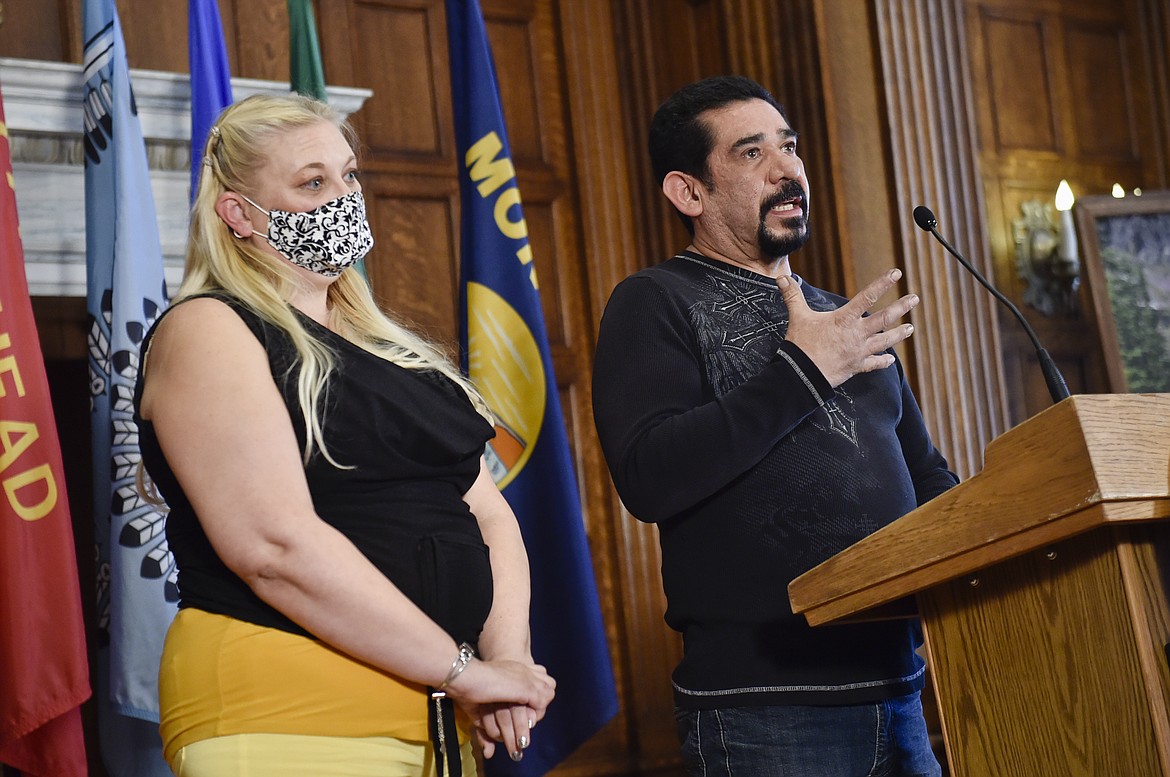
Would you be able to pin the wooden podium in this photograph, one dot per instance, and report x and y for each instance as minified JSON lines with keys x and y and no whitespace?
{"x":1043,"y":586}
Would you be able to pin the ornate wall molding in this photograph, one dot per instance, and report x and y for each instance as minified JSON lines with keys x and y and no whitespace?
{"x":934,"y":157}
{"x":42,"y":107}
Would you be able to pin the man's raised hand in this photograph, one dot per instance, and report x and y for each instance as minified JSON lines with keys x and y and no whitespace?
{"x":845,"y":341}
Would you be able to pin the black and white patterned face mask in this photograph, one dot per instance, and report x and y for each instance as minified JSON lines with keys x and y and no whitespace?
{"x":325,"y":240}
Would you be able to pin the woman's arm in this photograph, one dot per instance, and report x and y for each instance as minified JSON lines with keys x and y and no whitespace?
{"x":506,"y":633}
{"x":227,"y":435}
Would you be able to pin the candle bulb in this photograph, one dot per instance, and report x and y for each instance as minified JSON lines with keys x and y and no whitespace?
{"x":1068,"y":232}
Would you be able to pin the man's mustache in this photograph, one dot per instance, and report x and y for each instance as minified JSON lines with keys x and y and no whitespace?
{"x":788,"y":191}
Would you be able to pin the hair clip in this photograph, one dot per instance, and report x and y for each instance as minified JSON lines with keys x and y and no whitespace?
{"x":214,"y":130}
{"x":207,"y":161}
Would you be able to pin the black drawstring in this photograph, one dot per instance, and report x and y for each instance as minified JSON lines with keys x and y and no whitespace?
{"x":444,"y":735}
{"x":441,"y":709}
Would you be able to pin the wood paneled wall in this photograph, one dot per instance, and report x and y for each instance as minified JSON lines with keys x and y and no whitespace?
{"x":900,"y":136}
{"x":1152,"y":18}
{"x":927,"y":87}
{"x":1072,"y":90}
{"x":968,"y":106}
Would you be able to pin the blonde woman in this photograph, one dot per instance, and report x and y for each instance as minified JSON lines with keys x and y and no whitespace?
{"x":347,"y":567}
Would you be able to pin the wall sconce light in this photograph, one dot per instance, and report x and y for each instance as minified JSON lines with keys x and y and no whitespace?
{"x":1069,"y":265}
{"x":1047,"y":256}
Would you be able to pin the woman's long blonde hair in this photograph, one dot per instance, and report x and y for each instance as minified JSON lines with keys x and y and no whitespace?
{"x":237,"y":147}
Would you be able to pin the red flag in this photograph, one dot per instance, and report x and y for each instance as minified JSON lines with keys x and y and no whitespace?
{"x":44,"y":673}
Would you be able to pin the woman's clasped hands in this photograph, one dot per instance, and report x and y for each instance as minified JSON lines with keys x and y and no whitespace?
{"x":505,"y":700}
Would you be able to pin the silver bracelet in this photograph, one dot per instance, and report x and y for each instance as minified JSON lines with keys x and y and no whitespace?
{"x":466,"y":653}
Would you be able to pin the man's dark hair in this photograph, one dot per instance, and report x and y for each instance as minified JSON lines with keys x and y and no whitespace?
{"x":680,"y":141}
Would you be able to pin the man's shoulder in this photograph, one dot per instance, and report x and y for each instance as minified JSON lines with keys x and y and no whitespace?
{"x":667,"y":268}
{"x":679,"y":271}
{"x":664,"y":275}
{"x":663,"y":289}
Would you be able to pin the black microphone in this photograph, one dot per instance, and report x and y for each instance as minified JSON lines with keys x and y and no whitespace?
{"x":924,"y":218}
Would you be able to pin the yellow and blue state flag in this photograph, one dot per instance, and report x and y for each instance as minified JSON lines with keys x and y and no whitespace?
{"x":507,"y":357}
{"x":126,"y":292}
{"x":211,"y":81}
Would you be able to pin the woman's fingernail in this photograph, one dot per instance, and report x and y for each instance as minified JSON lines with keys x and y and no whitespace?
{"x":531,"y":723}
{"x":516,"y":756}
{"x":523,"y":742}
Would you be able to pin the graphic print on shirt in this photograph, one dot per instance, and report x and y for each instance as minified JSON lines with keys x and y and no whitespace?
{"x":739,"y":329}
{"x":836,"y":418}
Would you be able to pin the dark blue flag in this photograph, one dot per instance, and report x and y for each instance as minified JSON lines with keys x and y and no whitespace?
{"x":211,"y":83}
{"x":507,"y":357}
{"x":137,"y":594}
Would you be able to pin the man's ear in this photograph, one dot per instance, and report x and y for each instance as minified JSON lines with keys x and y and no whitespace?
{"x":233,"y":211}
{"x":684,"y":192}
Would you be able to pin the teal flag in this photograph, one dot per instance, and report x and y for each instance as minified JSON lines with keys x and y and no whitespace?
{"x":305,"y":73}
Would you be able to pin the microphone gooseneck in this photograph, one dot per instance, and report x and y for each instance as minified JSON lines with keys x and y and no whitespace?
{"x":1057,"y":388}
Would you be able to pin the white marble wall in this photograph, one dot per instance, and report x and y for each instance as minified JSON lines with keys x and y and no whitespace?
{"x":42,"y":107}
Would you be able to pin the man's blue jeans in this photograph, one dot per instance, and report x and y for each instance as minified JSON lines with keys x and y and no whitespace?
{"x":887,"y":739}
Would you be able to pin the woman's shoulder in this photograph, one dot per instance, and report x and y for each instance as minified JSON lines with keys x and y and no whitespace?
{"x":205,"y":326}
{"x":214,"y":304}
{"x":197,"y":338}
{"x":208,"y":303}
{"x":219,"y":311}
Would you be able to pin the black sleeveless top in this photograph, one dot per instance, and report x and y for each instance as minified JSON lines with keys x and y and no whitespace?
{"x":413,"y":443}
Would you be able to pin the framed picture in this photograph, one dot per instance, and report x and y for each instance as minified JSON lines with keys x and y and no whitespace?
{"x":1125,"y":247}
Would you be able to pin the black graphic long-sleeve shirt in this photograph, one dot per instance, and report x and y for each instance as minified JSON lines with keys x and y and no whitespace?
{"x":755,"y":470}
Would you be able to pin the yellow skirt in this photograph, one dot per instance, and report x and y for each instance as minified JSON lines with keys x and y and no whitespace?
{"x":287,"y":755}
{"x":222,"y":677}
